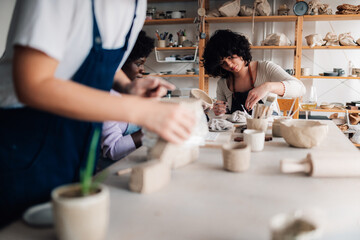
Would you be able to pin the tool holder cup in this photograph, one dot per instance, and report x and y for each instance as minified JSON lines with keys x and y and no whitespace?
{"x":161,"y":43}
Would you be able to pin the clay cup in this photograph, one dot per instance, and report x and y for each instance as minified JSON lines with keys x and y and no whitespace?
{"x":236,"y":157}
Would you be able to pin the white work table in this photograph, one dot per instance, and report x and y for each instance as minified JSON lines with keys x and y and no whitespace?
{"x":205,"y":202}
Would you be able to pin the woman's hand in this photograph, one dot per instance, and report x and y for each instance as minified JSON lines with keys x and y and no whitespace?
{"x":172,"y":122}
{"x":219,"y":107}
{"x":150,"y":86}
{"x":255,"y":95}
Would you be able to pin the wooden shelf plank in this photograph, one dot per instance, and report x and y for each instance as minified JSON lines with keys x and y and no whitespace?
{"x":169,"y":21}
{"x":249,"y":19}
{"x":167,"y":1}
{"x":357,"y":145}
{"x":273,"y":47}
{"x":338,"y":17}
{"x":174,"y":48}
{"x":329,"y":77}
{"x":330,"y":47}
{"x":175,"y":75}
{"x":331,"y":110}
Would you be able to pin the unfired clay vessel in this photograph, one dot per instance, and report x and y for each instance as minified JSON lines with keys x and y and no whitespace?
{"x":203,"y":96}
{"x":303,"y":133}
{"x":260,"y":124}
{"x":80,"y":217}
{"x":276,"y":125}
{"x":236,"y":157}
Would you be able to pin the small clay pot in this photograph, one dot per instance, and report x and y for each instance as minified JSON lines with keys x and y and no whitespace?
{"x":260,"y":124}
{"x":236,"y":157}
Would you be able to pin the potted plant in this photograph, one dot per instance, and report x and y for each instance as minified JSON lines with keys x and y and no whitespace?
{"x":81,"y":210}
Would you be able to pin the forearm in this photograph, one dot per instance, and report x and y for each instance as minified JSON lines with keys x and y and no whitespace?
{"x":275,"y":87}
{"x":70,"y":99}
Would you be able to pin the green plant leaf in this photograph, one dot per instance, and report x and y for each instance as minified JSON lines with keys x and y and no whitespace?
{"x":86,"y":175}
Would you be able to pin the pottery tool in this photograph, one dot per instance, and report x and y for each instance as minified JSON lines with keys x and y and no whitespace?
{"x":294,"y":113}
{"x":157,"y":35}
{"x":270,"y":99}
{"x":246,"y":113}
{"x":292,"y":105}
{"x":324,"y":164}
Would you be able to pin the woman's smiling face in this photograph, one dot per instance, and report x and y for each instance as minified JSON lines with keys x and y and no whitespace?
{"x":232,"y":63}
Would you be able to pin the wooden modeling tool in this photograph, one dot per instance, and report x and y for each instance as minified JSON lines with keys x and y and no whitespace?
{"x":324,"y":164}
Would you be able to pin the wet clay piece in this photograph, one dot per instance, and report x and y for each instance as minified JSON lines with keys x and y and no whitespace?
{"x":303,"y":133}
{"x":149,"y":177}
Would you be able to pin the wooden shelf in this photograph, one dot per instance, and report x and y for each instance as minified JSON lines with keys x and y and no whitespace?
{"x":331,"y":110}
{"x":330,"y":47}
{"x":356,"y":145}
{"x":339,"y":17}
{"x":167,"y":1}
{"x":273,"y":47}
{"x":329,"y":77}
{"x":175,"y":48}
{"x":169,"y":21}
{"x":176,"y":75}
{"x":250,"y":18}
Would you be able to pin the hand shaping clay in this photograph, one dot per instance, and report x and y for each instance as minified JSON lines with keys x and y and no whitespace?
{"x":149,"y":177}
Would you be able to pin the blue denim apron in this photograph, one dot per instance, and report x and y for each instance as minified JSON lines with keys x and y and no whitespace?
{"x":39,"y":150}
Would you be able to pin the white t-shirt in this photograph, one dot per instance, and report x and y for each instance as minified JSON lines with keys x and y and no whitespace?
{"x":63,"y":29}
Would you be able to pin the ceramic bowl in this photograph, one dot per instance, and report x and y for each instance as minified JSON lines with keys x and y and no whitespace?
{"x":303,"y":133}
{"x":203,"y":96}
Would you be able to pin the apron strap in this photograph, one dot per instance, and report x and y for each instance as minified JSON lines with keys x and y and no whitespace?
{"x":97,"y":41}
{"x":251,"y":77}
{"x":132,"y":24}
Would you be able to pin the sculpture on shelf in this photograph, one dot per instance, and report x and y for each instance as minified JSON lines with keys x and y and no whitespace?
{"x":230,"y":8}
{"x":262,"y":8}
{"x":346,"y":39}
{"x":283,"y":10}
{"x":348,"y":9}
{"x":331,"y":39}
{"x":246,"y":11}
{"x":276,"y":39}
{"x":313,"y":40}
{"x":317,"y":8}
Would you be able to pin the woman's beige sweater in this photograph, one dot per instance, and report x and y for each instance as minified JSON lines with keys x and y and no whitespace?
{"x":266,"y":72}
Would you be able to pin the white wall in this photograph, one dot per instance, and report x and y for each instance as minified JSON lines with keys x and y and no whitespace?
{"x":6,"y":9}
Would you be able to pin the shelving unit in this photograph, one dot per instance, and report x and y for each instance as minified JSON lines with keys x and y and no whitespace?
{"x":175,"y":49}
{"x":332,"y":110}
{"x":298,"y":47}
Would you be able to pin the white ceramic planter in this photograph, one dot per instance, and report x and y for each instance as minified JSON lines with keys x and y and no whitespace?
{"x":81,"y":218}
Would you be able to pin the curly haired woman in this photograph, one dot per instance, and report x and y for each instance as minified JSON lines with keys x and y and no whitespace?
{"x":243,"y":81}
